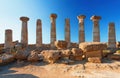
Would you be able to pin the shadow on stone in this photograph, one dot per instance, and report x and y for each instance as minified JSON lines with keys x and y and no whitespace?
{"x":18,"y":76}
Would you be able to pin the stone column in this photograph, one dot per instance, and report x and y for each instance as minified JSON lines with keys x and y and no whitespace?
{"x":39,"y":33}
{"x":111,"y":36}
{"x":24,"y":32}
{"x":67,"y":31}
{"x":81,"y":28}
{"x":96,"y":30}
{"x":53,"y":29}
{"x":8,"y":39}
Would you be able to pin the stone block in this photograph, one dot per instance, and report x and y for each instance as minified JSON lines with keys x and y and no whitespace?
{"x":76,"y":52}
{"x":51,"y":56}
{"x":94,"y":59}
{"x":61,"y":44}
{"x":92,"y":46}
{"x":33,"y":57}
{"x":94,"y":54}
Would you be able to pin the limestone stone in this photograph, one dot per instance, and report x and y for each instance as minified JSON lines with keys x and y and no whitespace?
{"x":114,"y":57}
{"x":53,"y":29}
{"x":24,"y":32}
{"x":77,"y":52}
{"x":6,"y":58}
{"x":92,"y":46}
{"x":96,"y":30}
{"x":8,"y":39}
{"x":40,"y":57}
{"x":39,"y":33}
{"x":112,"y":36}
{"x":74,"y":45}
{"x":118,"y":44}
{"x":93,"y":54}
{"x":94,"y":59}
{"x":60,"y":44}
{"x":22,"y":54}
{"x":81,"y":28}
{"x":67,"y":31}
{"x":66,"y":53}
{"x":51,"y":56}
{"x":33,"y":57}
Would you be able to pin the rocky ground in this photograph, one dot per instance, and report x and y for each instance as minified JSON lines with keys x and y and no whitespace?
{"x":81,"y":69}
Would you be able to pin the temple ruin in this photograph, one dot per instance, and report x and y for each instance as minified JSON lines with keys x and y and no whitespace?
{"x":96,"y":32}
{"x":63,"y":50}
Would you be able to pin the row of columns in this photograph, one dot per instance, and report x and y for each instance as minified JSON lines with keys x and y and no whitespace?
{"x":96,"y":31}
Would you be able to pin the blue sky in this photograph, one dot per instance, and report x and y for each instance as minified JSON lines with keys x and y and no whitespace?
{"x":12,"y":10}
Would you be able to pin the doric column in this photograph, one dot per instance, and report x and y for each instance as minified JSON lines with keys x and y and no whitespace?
{"x":96,"y":30}
{"x":67,"y":31}
{"x":24,"y":32}
{"x":81,"y":28}
{"x":8,"y":39}
{"x":39,"y":33}
{"x":53,"y":29}
{"x":112,"y":36}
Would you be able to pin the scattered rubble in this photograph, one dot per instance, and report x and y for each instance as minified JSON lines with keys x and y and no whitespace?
{"x":33,"y":57}
{"x":51,"y":56}
{"x":22,"y":54}
{"x":6,"y":58}
{"x":61,"y":44}
{"x":94,"y":59}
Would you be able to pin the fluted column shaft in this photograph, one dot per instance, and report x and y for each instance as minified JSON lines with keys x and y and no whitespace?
{"x":81,"y":28}
{"x":112,"y":36}
{"x":96,"y":30}
{"x":67,"y":31}
{"x":53,"y":29}
{"x":39,"y":33}
{"x":8,"y":39}
{"x":24,"y":32}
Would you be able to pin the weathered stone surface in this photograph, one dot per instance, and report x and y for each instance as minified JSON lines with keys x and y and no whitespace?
{"x":78,"y":58}
{"x":39,"y":33}
{"x":81,"y":28}
{"x":77,"y":52}
{"x":19,"y":46}
{"x":66,"y":53}
{"x":93,"y":54}
{"x":22,"y":54}
{"x":96,"y":30}
{"x":67,"y":31}
{"x":53,"y":29}
{"x":6,"y":58}
{"x":33,"y":57}
{"x":24,"y":32}
{"x":111,"y":36}
{"x":118,"y":44}
{"x":8,"y":39}
{"x":41,"y":57}
{"x":114,"y":57}
{"x":74,"y":45}
{"x":94,"y":59}
{"x":51,"y":56}
{"x":106,"y":52}
{"x":61,"y":44}
{"x":92,"y":46}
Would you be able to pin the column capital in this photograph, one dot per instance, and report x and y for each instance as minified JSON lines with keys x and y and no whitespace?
{"x":53,"y":16}
{"x":111,"y":24}
{"x":8,"y":30}
{"x":38,"y":21}
{"x":81,"y":17}
{"x":95,"y":18}
{"x":25,"y":19}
